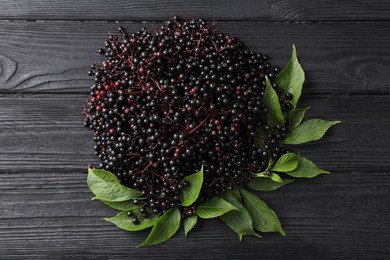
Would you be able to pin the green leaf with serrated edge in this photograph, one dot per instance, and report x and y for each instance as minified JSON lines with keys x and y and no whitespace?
{"x":190,"y":194}
{"x":264,"y":184}
{"x":291,"y":78}
{"x":271,"y":101}
{"x":273,"y":176}
{"x":264,"y":219}
{"x":213,"y":208}
{"x":238,"y":220}
{"x":105,"y":186}
{"x":120,"y":205}
{"x":310,"y":130}
{"x":123,"y":221}
{"x":296,"y":116}
{"x":189,"y":223}
{"x":286,"y":162}
{"x":306,"y":169}
{"x":165,"y":227}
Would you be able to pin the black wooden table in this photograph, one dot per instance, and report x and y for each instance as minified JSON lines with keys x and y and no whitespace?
{"x":46,"y":48}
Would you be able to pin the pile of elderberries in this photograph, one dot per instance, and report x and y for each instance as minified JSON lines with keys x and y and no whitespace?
{"x":165,"y":104}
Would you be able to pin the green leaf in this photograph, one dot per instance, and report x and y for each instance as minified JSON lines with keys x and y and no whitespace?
{"x":236,"y":193}
{"x":263,"y":184}
{"x":215,"y":207}
{"x":259,"y":138}
{"x":296,"y":116}
{"x":120,"y":205}
{"x":238,"y":220}
{"x":165,"y":227}
{"x":106,"y":187}
{"x":291,"y":78}
{"x":258,"y":143}
{"x":271,"y":101}
{"x":125,"y":222}
{"x":264,"y":219}
{"x":306,"y":169}
{"x":189,"y":223}
{"x":286,"y":162}
{"x":273,"y":176}
{"x":308,"y":131}
{"x":190,"y":194}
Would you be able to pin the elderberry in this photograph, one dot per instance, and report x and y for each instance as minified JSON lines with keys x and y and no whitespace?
{"x":165,"y":104}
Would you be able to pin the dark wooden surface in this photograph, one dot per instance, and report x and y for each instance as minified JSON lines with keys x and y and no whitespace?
{"x":46,"y":48}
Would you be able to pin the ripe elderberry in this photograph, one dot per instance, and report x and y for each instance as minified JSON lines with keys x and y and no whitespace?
{"x":164,"y":104}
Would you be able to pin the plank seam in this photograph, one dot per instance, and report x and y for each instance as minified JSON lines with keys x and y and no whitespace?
{"x":216,"y":20}
{"x":22,"y":94}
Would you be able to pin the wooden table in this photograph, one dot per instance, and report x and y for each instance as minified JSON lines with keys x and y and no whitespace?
{"x":46,"y":48}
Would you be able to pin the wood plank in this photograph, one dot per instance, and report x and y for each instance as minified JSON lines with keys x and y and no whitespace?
{"x":280,"y":10}
{"x":45,"y":133}
{"x":55,"y":57}
{"x":46,"y":215}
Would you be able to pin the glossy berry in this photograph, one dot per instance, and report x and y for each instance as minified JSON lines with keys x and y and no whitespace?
{"x":135,"y":221}
{"x":189,"y":213}
{"x":288,"y":96}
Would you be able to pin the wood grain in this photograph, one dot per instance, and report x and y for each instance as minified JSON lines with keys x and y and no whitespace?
{"x":45,"y":133}
{"x":46,"y":215}
{"x":280,"y":10}
{"x":54,"y":57}
{"x":46,"y":48}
